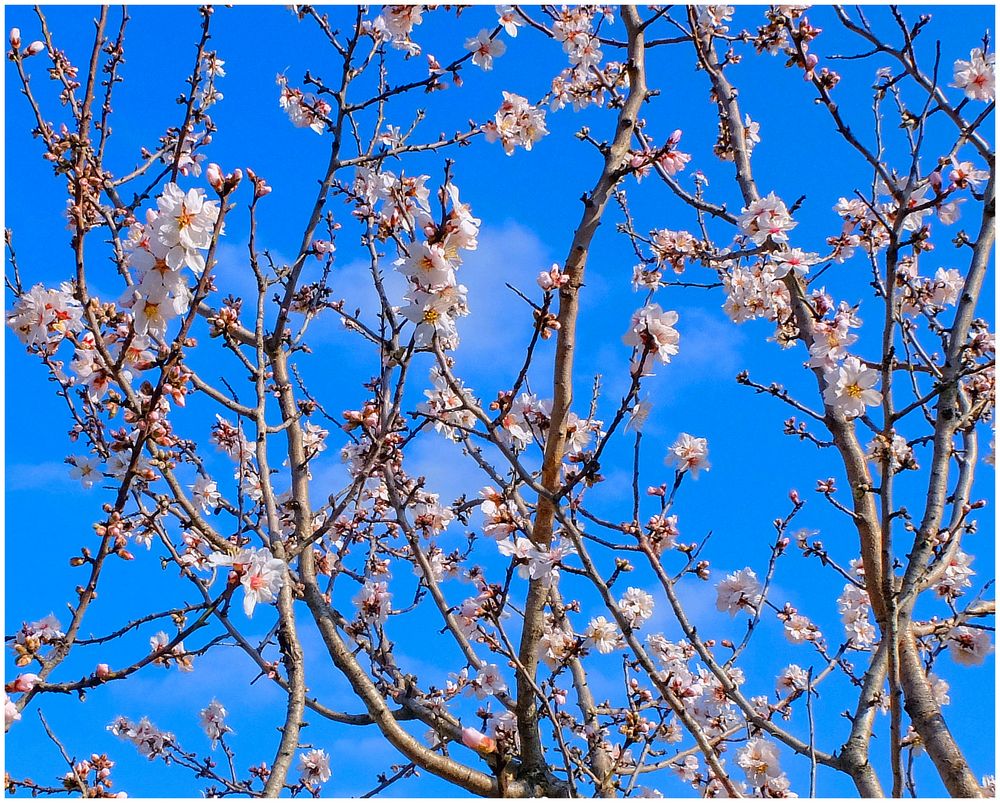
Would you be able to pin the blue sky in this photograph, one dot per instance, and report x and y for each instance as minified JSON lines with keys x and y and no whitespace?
{"x":529,"y":205}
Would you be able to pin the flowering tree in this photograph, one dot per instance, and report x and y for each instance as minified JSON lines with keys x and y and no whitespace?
{"x":564,"y":652}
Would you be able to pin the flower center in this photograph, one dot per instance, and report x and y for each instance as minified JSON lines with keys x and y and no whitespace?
{"x":185,"y":218}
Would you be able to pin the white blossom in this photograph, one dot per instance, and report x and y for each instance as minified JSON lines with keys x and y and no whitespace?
{"x":977,"y":75}
{"x":314,"y":767}
{"x":636,"y":606}
{"x":739,"y":591}
{"x":689,"y":454}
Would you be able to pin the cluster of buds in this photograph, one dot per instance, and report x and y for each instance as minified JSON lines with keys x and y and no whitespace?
{"x":799,"y":55}
{"x":32,"y":637}
{"x":223,"y":183}
{"x":15,"y":43}
{"x":117,"y":529}
{"x":663,"y":533}
{"x":547,"y":323}
{"x":667,"y":158}
{"x":827,"y":486}
{"x":227,"y":316}
{"x":152,"y":418}
{"x":552,"y":279}
{"x":78,"y":779}
{"x":366,"y":418}
{"x":260,"y":186}
{"x":314,"y":296}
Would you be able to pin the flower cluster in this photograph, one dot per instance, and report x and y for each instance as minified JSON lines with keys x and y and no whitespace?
{"x":149,"y":740}
{"x":172,"y":238}
{"x":212,"y":719}
{"x":897,"y":454}
{"x":685,"y":681}
{"x":517,"y":123}
{"x":42,"y":317}
{"x":792,"y":260}
{"x":581,"y":88}
{"x":536,"y":562}
{"x":798,"y":628}
{"x":668,"y":159}
{"x":831,"y":337}
{"x":854,"y":607}
{"x":850,"y":388}
{"x":176,"y":655}
{"x":32,"y":636}
{"x":977,"y":76}
{"x":374,"y":602}
{"x":740,"y":591}
{"x":723,"y":147}
{"x":100,"y":785}
{"x":260,"y":573}
{"x":636,"y":606}
{"x":604,"y":635}
{"x":957,"y":575}
{"x":760,"y":760}
{"x":573,"y":26}
{"x":925,"y":294}
{"x":766,"y":218}
{"x":436,"y":299}
{"x":673,"y":248}
{"x":653,"y":335}
{"x":756,"y":292}
{"x":305,"y":110}
{"x":395,"y":24}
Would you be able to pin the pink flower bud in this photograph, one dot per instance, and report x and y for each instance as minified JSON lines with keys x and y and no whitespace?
{"x":15,"y":38}
{"x":102,"y":671}
{"x":214,"y":175}
{"x":237,"y":177}
{"x":23,"y":683}
{"x":479,"y":742}
{"x":674,"y":138}
{"x":35,"y":48}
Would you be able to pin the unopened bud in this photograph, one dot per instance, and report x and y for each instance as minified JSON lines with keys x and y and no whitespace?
{"x":35,"y":48}
{"x":479,"y":742}
{"x":102,"y":671}
{"x":23,"y":683}
{"x":214,"y":175}
{"x":15,"y":38}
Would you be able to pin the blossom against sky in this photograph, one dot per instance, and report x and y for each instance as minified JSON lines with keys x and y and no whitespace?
{"x":524,"y":186}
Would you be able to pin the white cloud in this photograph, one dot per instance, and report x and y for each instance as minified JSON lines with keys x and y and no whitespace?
{"x":33,"y":476}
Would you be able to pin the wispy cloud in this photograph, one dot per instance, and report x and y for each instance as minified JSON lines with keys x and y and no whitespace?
{"x":34,"y":476}
{"x":494,"y":336}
